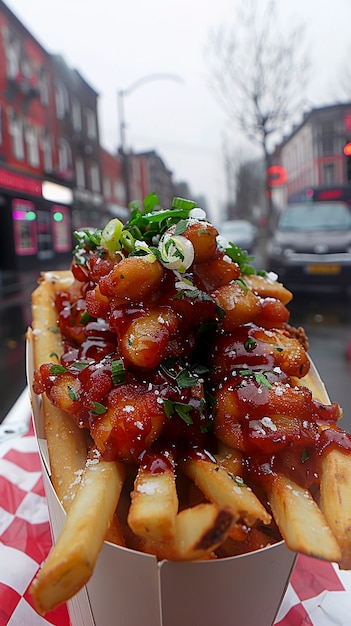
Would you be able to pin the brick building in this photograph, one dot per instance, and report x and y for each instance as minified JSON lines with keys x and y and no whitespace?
{"x":35,"y":216}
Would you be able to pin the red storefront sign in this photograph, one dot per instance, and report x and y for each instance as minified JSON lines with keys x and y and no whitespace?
{"x":19,"y":183}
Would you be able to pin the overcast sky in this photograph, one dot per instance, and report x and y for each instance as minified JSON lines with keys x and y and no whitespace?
{"x":115,"y":43}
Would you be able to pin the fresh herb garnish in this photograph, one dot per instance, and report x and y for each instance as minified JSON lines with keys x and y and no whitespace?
{"x":80,"y":365}
{"x":99,"y":408}
{"x":259,"y":377}
{"x":185,"y":379}
{"x":242,"y":284}
{"x":183,"y":410}
{"x":241,"y":257}
{"x":85,"y":318}
{"x":72,"y":393}
{"x":57,"y":369}
{"x":118,"y":371}
{"x":237,"y":479}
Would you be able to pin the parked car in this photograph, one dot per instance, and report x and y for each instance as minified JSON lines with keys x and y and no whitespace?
{"x":311,"y":244}
{"x":240,"y":232}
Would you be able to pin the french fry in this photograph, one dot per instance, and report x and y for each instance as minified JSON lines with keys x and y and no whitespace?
{"x":154,"y":505}
{"x":300,"y":521}
{"x":336,"y":499}
{"x":72,"y":559}
{"x":151,"y":397}
{"x":66,"y":441}
{"x":230,"y":459}
{"x":199,"y":530}
{"x":225,"y":489}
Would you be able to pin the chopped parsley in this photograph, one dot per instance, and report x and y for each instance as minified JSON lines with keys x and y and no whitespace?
{"x":57,"y":369}
{"x":181,"y":409}
{"x":72,"y":394}
{"x":99,"y":409}
{"x":118,"y":371}
{"x":259,"y":377}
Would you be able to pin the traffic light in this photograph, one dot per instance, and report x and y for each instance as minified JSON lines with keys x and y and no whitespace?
{"x":347,"y":153}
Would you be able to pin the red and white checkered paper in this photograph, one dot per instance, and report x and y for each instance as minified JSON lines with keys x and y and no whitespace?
{"x":318,"y":593}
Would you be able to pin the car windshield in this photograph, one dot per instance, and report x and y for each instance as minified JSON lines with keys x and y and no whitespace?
{"x":236,"y":227}
{"x":321,"y":216}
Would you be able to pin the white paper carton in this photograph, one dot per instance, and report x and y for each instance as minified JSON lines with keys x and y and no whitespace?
{"x":129,"y":588}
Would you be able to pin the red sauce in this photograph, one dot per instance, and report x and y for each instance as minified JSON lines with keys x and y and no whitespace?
{"x":154,"y":415}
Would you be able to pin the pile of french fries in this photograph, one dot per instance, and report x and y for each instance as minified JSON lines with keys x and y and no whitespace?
{"x":197,"y":508}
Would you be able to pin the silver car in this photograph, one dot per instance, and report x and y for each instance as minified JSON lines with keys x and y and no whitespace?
{"x":311,"y":244}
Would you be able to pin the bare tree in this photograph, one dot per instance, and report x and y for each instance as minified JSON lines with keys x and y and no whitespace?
{"x":258,"y":72}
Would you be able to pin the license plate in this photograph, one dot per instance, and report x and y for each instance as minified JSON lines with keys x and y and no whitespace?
{"x":321,"y":268}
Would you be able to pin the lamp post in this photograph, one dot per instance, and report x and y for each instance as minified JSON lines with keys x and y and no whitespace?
{"x":122,"y":93}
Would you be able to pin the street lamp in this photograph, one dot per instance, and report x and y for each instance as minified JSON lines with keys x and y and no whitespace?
{"x":122,"y":124}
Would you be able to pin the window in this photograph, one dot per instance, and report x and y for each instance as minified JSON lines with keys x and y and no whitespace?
{"x":80,"y":173}
{"x":31,"y":136}
{"x":76,"y":115}
{"x":327,"y":138}
{"x":45,"y":250}
{"x":24,"y":226}
{"x":119,"y":191}
{"x":12,"y":52}
{"x":61,"y":228}
{"x":107,"y":187}
{"x":329,"y":174}
{"x":43,"y":87}
{"x":61,"y":100}
{"x":94,"y":177}
{"x":47,"y":153}
{"x":16,"y":132}
{"x":91,"y":124}
{"x":65,"y":157}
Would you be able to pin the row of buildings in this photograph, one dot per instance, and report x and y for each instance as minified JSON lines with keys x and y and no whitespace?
{"x":311,"y":162}
{"x":55,"y":177}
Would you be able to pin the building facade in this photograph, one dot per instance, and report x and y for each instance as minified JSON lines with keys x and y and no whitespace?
{"x":35,"y":213}
{"x":312,"y":155}
{"x":54,"y":175}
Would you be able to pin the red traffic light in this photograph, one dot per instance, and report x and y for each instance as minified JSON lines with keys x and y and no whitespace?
{"x":276,"y":175}
{"x":347,"y":149}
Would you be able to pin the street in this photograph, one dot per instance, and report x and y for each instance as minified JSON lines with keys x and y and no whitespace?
{"x":325,"y":317}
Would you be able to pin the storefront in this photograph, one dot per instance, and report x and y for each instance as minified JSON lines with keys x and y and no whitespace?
{"x":36,"y":223}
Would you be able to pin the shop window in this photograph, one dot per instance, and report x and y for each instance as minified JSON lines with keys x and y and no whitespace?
{"x":61,"y":228}
{"x":24,"y":226}
{"x":44,"y":235}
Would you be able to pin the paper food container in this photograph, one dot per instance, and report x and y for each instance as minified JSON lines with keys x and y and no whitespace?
{"x":129,"y":587}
